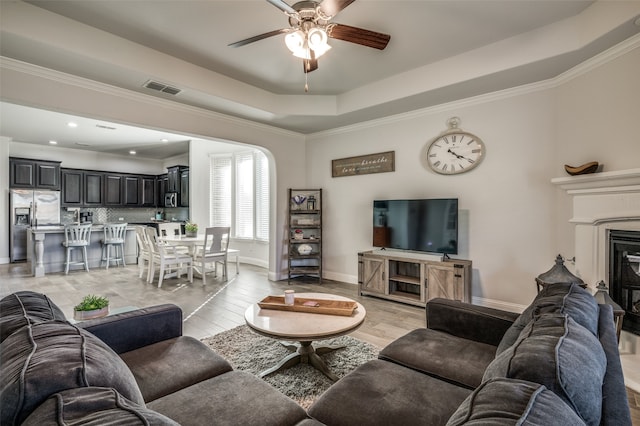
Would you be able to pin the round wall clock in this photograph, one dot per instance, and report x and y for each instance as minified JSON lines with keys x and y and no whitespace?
{"x":455,"y":151}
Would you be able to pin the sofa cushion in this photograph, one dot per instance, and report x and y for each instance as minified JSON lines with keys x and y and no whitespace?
{"x":93,"y":405}
{"x":41,"y":359}
{"x":384,"y":393}
{"x":570,"y":299}
{"x":233,"y":398}
{"x":170,"y":365}
{"x":26,"y":307}
{"x":508,"y":401}
{"x":442,"y":355}
{"x":555,"y":351}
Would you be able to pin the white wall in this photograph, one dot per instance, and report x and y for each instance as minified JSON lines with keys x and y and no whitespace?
{"x":4,"y":200}
{"x":513,"y":222}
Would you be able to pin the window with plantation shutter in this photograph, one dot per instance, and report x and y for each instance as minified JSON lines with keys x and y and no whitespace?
{"x":240,"y":194}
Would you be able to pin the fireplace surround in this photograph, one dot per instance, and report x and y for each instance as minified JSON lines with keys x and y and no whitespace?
{"x":604,"y":205}
{"x":624,"y":276}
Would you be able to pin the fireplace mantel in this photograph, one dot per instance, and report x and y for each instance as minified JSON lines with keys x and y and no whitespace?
{"x":618,"y":181}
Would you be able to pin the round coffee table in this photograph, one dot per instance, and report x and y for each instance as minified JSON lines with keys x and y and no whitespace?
{"x":304,"y":328}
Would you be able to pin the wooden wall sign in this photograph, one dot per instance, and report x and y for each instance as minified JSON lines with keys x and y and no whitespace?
{"x":381,"y":162}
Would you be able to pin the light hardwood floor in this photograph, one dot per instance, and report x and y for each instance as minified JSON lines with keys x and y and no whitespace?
{"x":219,"y":305}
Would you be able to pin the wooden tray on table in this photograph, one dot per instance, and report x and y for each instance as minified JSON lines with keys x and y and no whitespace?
{"x":314,"y":306}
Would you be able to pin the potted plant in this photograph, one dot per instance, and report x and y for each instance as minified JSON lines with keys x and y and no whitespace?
{"x":91,"y":307}
{"x":191,"y":229}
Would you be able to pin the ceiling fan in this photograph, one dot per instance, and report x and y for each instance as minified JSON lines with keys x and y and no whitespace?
{"x":309,"y":27}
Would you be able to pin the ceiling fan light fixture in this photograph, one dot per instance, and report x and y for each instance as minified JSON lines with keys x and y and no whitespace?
{"x":295,"y":41}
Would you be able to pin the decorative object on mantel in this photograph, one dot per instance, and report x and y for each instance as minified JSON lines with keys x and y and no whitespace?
{"x":191,"y":229}
{"x":91,"y":307}
{"x":455,"y":151}
{"x":603,"y":298}
{"x":558,"y":274}
{"x":381,"y":162}
{"x":587,"y":168}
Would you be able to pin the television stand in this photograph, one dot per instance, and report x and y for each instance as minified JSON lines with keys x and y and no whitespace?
{"x":413,"y":278}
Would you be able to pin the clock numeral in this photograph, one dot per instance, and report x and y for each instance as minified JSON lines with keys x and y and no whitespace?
{"x":453,"y":168}
{"x":437,"y":164}
{"x":445,"y":140}
{"x":433,"y":155}
{"x":470,"y":160}
{"x":470,"y":142}
{"x":454,"y":138}
{"x":475,"y":151}
{"x":444,"y":168}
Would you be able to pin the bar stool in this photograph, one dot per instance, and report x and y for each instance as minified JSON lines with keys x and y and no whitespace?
{"x":114,"y":234}
{"x":76,"y":237}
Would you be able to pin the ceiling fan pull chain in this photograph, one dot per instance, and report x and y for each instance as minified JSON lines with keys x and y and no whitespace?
{"x":306,"y":83}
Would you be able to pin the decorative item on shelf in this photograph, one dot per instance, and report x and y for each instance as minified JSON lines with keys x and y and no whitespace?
{"x":191,"y":229}
{"x":558,"y":274}
{"x":298,"y":200}
{"x":298,"y":235}
{"x":311,"y":203}
{"x":305,"y":249}
{"x":91,"y":307}
{"x":587,"y":168}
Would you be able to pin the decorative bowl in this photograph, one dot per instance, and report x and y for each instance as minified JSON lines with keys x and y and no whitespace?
{"x":304,"y":249}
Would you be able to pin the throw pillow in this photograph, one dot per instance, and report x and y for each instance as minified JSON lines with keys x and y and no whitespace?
{"x":26,"y":307}
{"x":41,"y":359}
{"x":570,"y":299}
{"x":557,"y":352}
{"x":510,"y":402}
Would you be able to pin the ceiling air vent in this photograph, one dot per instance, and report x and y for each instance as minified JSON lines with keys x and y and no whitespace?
{"x":161,"y":87}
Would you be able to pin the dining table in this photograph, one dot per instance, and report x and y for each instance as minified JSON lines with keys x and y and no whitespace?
{"x":192,"y":243}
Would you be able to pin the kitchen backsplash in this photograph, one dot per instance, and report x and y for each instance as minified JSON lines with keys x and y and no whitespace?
{"x":131,"y":215}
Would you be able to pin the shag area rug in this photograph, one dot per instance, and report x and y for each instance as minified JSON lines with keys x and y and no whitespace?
{"x":253,"y":353}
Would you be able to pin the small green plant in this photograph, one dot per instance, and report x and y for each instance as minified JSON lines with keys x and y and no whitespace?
{"x":191,"y":227}
{"x":91,"y":302}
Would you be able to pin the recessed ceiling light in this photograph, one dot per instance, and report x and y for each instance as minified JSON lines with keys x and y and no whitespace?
{"x":72,"y":124}
{"x":637,"y":21}
{"x":164,"y":140}
{"x":132,"y":152}
{"x":53,"y":142}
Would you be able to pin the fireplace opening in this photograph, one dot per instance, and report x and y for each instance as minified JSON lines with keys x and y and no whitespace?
{"x":624,"y":276}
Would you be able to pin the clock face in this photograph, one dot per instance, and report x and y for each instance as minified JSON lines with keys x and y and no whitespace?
{"x":455,"y":152}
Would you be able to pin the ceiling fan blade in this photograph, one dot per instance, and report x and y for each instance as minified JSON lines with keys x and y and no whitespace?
{"x":259,"y":37}
{"x":358,"y":36}
{"x":283,"y":6}
{"x":332,"y":7}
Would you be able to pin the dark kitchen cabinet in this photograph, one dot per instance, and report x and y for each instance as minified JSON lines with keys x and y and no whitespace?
{"x":93,"y":188}
{"x":113,"y":191}
{"x":173,"y":174}
{"x":184,"y":188}
{"x":148,"y":184}
{"x":132,"y":191}
{"x":34,"y":174}
{"x":162,"y":188}
{"x":81,"y":188}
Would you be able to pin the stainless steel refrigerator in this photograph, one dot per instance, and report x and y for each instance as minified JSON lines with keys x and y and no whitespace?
{"x":30,"y":208}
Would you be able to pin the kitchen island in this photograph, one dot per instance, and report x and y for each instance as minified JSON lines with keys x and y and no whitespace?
{"x":45,"y":252}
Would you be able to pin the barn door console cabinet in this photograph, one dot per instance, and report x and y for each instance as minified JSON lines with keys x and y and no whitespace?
{"x":412,"y":278}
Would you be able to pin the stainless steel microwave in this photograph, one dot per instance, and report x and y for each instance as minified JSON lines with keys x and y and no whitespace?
{"x":171,"y":199}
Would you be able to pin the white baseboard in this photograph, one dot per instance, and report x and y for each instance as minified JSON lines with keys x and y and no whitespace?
{"x":4,"y":260}
{"x":498,"y":304}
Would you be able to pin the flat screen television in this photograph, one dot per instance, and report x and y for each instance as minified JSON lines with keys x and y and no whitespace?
{"x":428,"y":225}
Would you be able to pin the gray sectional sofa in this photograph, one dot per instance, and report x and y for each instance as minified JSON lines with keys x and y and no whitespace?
{"x":555,"y":364}
{"x":134,"y":368}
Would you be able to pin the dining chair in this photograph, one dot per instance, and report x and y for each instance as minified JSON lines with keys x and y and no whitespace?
{"x":169,"y":229}
{"x":213,"y":250}
{"x":166,"y":257}
{"x":114,"y":238}
{"x":76,"y":237}
{"x":144,"y":253}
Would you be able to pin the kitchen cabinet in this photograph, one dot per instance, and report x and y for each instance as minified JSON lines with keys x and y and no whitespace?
{"x":132,"y":193}
{"x":113,"y":191}
{"x":162,"y":188}
{"x":173,"y":174}
{"x":81,"y":188}
{"x":34,"y":174}
{"x":148,"y":187}
{"x":184,"y":188}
